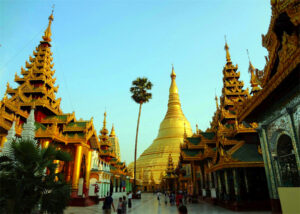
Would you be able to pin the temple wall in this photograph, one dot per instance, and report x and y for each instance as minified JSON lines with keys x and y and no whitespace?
{"x":282,"y":118}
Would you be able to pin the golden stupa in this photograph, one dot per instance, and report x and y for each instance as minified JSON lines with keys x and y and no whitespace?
{"x":152,"y":163}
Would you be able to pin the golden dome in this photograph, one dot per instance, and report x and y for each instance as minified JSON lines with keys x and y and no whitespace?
{"x":170,"y":135}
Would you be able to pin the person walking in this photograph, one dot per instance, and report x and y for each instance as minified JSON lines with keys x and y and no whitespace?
{"x":184,"y":197}
{"x":166,"y":198}
{"x":129,"y":199}
{"x":124,"y":205}
{"x":120,"y":205}
{"x":173,"y":198}
{"x":158,"y":197}
{"x":107,"y":204}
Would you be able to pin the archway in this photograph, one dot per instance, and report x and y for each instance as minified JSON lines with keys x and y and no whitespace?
{"x":287,"y":162}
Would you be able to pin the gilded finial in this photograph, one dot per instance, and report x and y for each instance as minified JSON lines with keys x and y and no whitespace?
{"x":217,"y":102}
{"x":47,"y":34}
{"x":197,"y":129}
{"x":228,"y":59}
{"x":112,"y":132}
{"x":104,"y":121}
{"x":173,"y":74}
{"x":253,"y":80}
{"x":173,"y":87}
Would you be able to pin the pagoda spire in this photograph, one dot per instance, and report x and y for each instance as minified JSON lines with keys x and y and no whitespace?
{"x":47,"y":33}
{"x":104,"y":121}
{"x":173,"y":88}
{"x":174,"y":105}
{"x":226,"y":47}
{"x":104,"y":131}
{"x":37,"y":84}
{"x":217,"y":103}
{"x":112,"y":132}
{"x":105,"y":143}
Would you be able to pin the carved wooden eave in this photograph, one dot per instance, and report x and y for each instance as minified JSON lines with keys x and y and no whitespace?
{"x":230,"y":67}
{"x":237,"y":164}
{"x":233,"y":83}
{"x":228,"y":142}
{"x":208,"y":152}
{"x":225,"y":114}
{"x":70,"y":118}
{"x":231,"y":74}
{"x":284,"y":69}
{"x":192,"y":158}
{"x":235,"y":148}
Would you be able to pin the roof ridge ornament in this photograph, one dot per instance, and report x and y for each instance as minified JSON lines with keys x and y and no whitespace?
{"x":47,"y":34}
{"x":226,"y":47}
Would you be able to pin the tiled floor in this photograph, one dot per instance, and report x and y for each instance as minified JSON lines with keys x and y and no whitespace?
{"x":149,"y":205}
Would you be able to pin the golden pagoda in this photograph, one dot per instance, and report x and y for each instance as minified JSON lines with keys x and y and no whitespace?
{"x":170,"y":135}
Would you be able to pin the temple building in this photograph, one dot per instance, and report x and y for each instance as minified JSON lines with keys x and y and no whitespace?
{"x":226,"y":161}
{"x":99,"y":178}
{"x":276,"y":107}
{"x":36,"y":90}
{"x":121,"y":180}
{"x":152,"y":164}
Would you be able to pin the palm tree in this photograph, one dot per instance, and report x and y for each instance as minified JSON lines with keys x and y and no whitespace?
{"x":140,"y":95}
{"x":25,"y":184}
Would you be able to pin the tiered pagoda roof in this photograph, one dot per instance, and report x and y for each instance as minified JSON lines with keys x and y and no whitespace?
{"x":224,"y":143}
{"x":105,"y":144}
{"x":232,"y":92}
{"x":36,"y":89}
{"x":170,"y":173}
{"x":109,"y":153}
{"x":198,"y":147}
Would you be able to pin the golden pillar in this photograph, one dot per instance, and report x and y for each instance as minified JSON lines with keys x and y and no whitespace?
{"x":88,"y":168}
{"x":45,"y":144}
{"x":2,"y":141}
{"x":77,"y":163}
{"x":55,"y":161}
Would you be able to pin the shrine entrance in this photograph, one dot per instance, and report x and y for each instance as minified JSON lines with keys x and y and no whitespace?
{"x":287,"y":162}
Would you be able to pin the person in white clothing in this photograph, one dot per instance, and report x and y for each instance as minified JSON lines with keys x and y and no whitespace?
{"x":158,"y":197}
{"x":129,"y":199}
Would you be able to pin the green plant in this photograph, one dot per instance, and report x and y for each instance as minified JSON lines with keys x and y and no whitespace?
{"x":28,"y":179}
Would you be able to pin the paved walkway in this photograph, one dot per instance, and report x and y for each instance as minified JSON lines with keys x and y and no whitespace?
{"x":149,"y":205}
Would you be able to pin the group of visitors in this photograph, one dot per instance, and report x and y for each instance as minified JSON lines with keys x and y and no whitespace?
{"x":175,"y":198}
{"x":122,"y":205}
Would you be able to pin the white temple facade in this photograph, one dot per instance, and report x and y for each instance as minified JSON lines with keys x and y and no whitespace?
{"x":100,"y":177}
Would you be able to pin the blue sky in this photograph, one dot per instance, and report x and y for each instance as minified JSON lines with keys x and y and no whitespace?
{"x":99,"y":47}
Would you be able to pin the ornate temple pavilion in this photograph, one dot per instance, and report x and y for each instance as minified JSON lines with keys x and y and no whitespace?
{"x":153,"y":161}
{"x":225,"y":162}
{"x":276,"y":108}
{"x":36,"y":90}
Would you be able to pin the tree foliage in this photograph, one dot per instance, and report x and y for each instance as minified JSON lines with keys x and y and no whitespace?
{"x":140,"y":94}
{"x":29,"y":181}
{"x":139,"y":90}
